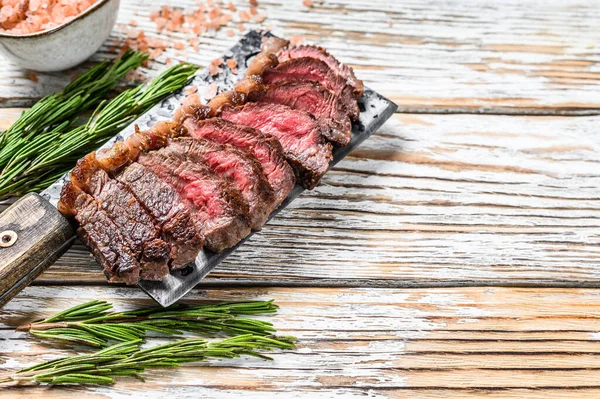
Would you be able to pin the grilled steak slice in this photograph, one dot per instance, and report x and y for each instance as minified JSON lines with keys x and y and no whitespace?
{"x":311,"y":69}
{"x":218,"y":208}
{"x":238,"y":167}
{"x":321,"y":54}
{"x":170,"y":214}
{"x":134,"y":223}
{"x":297,"y":131}
{"x":314,"y":99}
{"x":265,"y":148}
{"x":100,"y":234}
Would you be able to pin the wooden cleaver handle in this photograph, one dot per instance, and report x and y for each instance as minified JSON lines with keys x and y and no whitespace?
{"x":33,"y":234}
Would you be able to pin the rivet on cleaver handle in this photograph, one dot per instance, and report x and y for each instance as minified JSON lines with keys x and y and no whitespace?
{"x":33,"y":234}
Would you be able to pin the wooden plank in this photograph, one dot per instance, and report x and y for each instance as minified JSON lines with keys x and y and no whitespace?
{"x":415,"y":343}
{"x":432,"y":200}
{"x":433,"y":56}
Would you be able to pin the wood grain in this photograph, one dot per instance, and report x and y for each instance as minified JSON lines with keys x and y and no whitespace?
{"x":34,"y":235}
{"x":429,"y":343}
{"x":434,"y":56}
{"x":432,"y":199}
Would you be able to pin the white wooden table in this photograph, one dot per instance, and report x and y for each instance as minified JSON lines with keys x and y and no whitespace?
{"x":454,"y":254}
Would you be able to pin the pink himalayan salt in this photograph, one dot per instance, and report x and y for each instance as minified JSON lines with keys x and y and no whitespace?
{"x":29,"y":16}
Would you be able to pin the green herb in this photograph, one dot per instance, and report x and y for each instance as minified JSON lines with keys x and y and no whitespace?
{"x":93,"y":323}
{"x":36,"y":160}
{"x":84,"y":92}
{"x":128,"y":359}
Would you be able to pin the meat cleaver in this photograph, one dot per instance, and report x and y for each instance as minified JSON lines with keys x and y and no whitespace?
{"x":33,"y":234}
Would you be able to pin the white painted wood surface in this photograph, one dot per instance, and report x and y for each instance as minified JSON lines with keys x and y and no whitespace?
{"x":356,"y":342}
{"x":486,"y":56}
{"x":444,"y":199}
{"x":395,"y":273}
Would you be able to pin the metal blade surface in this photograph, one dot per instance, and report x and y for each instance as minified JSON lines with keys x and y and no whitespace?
{"x":374,"y":111}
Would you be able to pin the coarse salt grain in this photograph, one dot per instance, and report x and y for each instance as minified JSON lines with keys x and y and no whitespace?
{"x":231,"y":63}
{"x":213,"y":70}
{"x":209,"y":16}
{"x":22,"y":16}
{"x":210,"y":91}
{"x":190,"y":90}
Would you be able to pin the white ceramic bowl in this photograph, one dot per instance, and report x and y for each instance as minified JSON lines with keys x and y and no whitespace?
{"x":63,"y":46}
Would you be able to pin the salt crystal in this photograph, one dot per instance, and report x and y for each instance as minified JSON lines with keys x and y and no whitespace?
{"x":231,"y":63}
{"x":213,"y":70}
{"x":21,"y":16}
{"x":190,"y":90}
{"x":210,"y":91}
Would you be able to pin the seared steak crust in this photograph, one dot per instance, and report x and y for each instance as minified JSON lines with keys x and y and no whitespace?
{"x":297,"y":131}
{"x":315,"y":99}
{"x":321,"y":54}
{"x":162,"y":202}
{"x":108,"y":245}
{"x":134,"y":223}
{"x":216,"y":206}
{"x":312,"y":69}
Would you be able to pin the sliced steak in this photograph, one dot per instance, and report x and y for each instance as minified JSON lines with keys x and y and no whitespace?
{"x":170,"y":214}
{"x":321,"y":54}
{"x":314,"y":99}
{"x":297,"y":131}
{"x":264,"y":147}
{"x":134,"y":223}
{"x":312,"y":69}
{"x":100,"y":234}
{"x":218,"y":208}
{"x":237,"y":166}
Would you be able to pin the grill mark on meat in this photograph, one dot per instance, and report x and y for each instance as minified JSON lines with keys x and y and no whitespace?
{"x":312,"y":69}
{"x":315,"y":99}
{"x":297,"y":131}
{"x":99,"y":233}
{"x":264,"y":147}
{"x":134,"y":223}
{"x":238,"y":167}
{"x":164,"y":204}
{"x":321,"y":54}
{"x":218,"y":208}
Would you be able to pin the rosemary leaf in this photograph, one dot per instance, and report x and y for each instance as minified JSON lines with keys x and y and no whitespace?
{"x":94,"y":324}
{"x":128,"y":359}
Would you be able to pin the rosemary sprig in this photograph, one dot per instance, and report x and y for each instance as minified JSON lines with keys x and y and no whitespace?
{"x":37,"y":159}
{"x":94,"y":324}
{"x":84,"y":92}
{"x":128,"y":359}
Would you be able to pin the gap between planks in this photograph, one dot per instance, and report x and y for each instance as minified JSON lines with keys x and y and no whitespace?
{"x":384,"y":343}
